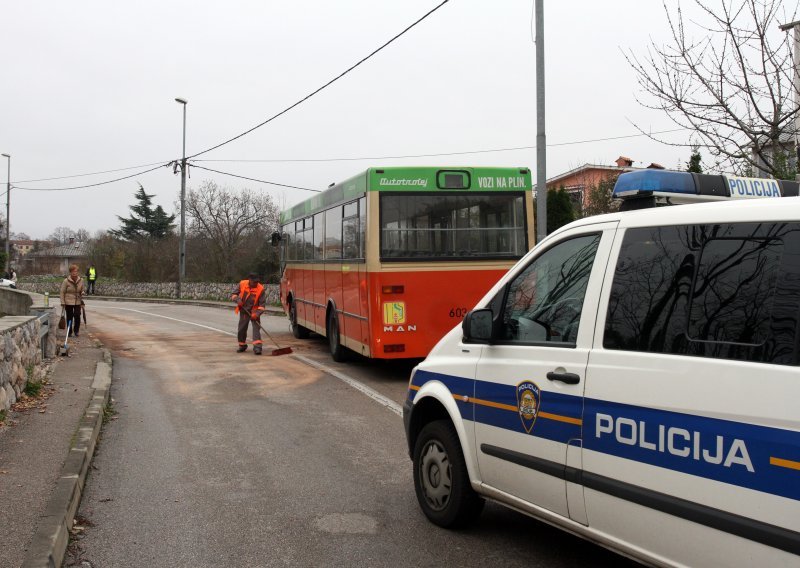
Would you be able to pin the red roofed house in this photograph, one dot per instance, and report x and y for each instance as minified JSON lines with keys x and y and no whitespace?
{"x":580,"y":180}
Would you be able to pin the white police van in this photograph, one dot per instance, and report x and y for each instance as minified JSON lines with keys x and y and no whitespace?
{"x":634,"y":380}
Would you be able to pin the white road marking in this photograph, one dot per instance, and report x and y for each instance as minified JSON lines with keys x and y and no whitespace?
{"x":166,"y":317}
{"x":373,"y":394}
{"x":350,"y":381}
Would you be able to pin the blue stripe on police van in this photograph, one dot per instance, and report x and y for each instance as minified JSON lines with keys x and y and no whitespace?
{"x":745,"y":455}
{"x":722,"y":450}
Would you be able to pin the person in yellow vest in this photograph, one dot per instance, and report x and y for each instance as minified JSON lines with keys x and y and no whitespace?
{"x":250,"y":300}
{"x":91,"y":276}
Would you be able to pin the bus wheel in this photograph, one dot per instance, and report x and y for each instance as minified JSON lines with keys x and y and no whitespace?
{"x":298,"y":331}
{"x":338,"y":351}
{"x":441,"y":481}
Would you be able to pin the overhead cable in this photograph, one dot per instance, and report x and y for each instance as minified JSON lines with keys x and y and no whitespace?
{"x":253,"y":179}
{"x":89,"y":174}
{"x":91,"y":184}
{"x":287,"y":109}
{"x":443,"y":153}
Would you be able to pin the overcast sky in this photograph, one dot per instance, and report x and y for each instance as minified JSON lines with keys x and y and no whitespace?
{"x":89,"y":86}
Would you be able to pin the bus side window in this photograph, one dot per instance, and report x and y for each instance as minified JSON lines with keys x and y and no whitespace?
{"x":350,"y":230}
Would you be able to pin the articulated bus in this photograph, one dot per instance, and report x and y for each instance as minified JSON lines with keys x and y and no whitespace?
{"x":387,"y":262}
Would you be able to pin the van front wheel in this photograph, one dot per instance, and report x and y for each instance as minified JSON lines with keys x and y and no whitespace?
{"x":441,"y":481}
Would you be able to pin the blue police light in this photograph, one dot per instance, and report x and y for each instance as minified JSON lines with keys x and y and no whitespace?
{"x":647,"y":181}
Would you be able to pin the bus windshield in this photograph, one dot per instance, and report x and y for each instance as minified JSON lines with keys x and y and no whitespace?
{"x":416,"y":226}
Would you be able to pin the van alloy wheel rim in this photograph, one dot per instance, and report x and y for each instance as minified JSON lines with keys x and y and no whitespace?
{"x":435,"y":475}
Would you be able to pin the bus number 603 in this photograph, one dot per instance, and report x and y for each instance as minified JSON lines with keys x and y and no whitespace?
{"x":458,"y":312}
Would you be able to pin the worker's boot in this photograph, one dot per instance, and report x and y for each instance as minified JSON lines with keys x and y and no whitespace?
{"x":257,"y":349}
{"x":242,"y":349}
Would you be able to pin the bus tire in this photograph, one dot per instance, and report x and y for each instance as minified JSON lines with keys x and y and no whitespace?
{"x":298,"y":330}
{"x":441,"y":481}
{"x":338,"y":351}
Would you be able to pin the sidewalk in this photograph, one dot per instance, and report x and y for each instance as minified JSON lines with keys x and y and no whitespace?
{"x":45,"y":451}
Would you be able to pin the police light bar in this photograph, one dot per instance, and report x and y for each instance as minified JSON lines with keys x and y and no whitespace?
{"x":651,"y":188}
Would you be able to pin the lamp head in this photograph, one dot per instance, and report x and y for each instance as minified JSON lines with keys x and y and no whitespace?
{"x":6,"y":155}
{"x":180,"y":100}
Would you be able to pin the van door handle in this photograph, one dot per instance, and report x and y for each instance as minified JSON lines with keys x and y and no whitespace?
{"x":569,"y":378}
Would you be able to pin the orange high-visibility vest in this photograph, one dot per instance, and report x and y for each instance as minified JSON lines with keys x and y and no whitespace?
{"x":245,"y":291}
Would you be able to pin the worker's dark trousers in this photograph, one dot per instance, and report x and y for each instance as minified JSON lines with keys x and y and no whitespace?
{"x":73,"y":319}
{"x":243,"y":321}
{"x":90,"y":288}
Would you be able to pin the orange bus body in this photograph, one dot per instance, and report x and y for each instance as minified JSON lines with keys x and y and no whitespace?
{"x":417,"y":309}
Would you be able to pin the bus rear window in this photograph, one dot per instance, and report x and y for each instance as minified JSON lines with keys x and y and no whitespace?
{"x":425,"y":225}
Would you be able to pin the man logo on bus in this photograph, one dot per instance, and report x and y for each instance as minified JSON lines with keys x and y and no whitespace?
{"x":394,"y":313}
{"x":528,"y":399}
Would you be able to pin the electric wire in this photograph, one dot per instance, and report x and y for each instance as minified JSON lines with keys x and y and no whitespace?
{"x":510,"y":149}
{"x":88,"y":174}
{"x":298,"y":160}
{"x":254,"y":179}
{"x":91,"y":184}
{"x":304,"y":99}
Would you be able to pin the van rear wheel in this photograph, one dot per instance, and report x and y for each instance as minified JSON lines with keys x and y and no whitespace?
{"x":298,"y":331}
{"x":441,"y":481}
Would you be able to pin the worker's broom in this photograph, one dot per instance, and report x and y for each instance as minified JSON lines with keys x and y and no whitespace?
{"x":280,"y":350}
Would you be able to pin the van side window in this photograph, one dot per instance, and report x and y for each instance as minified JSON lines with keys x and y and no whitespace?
{"x":544,"y":302}
{"x":734,"y":290}
{"x":727,"y":291}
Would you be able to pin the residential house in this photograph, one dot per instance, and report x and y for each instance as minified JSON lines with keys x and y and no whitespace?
{"x":56,"y":260}
{"x":578,"y":181}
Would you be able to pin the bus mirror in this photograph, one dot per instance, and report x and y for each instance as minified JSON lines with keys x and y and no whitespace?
{"x":276,"y":238}
{"x":477,"y":325}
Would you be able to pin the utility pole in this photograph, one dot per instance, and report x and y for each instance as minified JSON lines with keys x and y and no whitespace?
{"x":182,"y":245}
{"x":541,"y":138}
{"x":796,"y":84}
{"x":8,"y":214}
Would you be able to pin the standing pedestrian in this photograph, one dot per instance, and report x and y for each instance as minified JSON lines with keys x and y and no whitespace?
{"x":71,"y":298}
{"x":91,"y":276}
{"x":250,"y":300}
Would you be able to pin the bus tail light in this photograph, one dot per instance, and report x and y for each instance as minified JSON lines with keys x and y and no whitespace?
{"x":393,"y":289}
{"x":397,"y":348}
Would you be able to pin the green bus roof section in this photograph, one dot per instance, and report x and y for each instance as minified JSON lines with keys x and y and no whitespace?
{"x":411,"y":179}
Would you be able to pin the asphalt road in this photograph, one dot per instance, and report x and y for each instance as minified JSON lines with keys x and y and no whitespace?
{"x":215,"y":458}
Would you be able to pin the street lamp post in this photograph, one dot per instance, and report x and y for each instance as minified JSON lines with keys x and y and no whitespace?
{"x":796,"y":83}
{"x":8,"y":214}
{"x":182,"y":246}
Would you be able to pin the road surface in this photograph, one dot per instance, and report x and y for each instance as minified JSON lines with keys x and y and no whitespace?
{"x":215,"y":458}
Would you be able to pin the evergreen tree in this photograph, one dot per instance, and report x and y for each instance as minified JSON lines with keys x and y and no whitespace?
{"x":693,"y":165}
{"x":145,"y":221}
{"x":559,"y":209}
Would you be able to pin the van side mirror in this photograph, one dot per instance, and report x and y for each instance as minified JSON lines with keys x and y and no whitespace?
{"x":275,"y":238}
{"x":477,"y":325}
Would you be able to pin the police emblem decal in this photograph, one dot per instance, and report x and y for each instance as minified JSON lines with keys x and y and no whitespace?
{"x":528,"y":399}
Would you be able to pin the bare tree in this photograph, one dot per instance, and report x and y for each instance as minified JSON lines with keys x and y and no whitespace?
{"x":727,"y":78}
{"x":61,"y":235}
{"x":224,"y":220}
{"x":82,"y":235}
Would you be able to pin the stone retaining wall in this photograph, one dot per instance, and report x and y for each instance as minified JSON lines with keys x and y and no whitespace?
{"x":189,"y":290}
{"x":21,"y":356}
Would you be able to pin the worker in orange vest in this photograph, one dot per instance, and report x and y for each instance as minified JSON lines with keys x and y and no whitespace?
{"x":250,"y":299}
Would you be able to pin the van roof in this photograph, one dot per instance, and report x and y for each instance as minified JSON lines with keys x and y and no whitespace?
{"x":746,"y":210}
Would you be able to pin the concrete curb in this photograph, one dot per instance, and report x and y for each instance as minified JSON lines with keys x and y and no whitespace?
{"x":52,"y":536}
